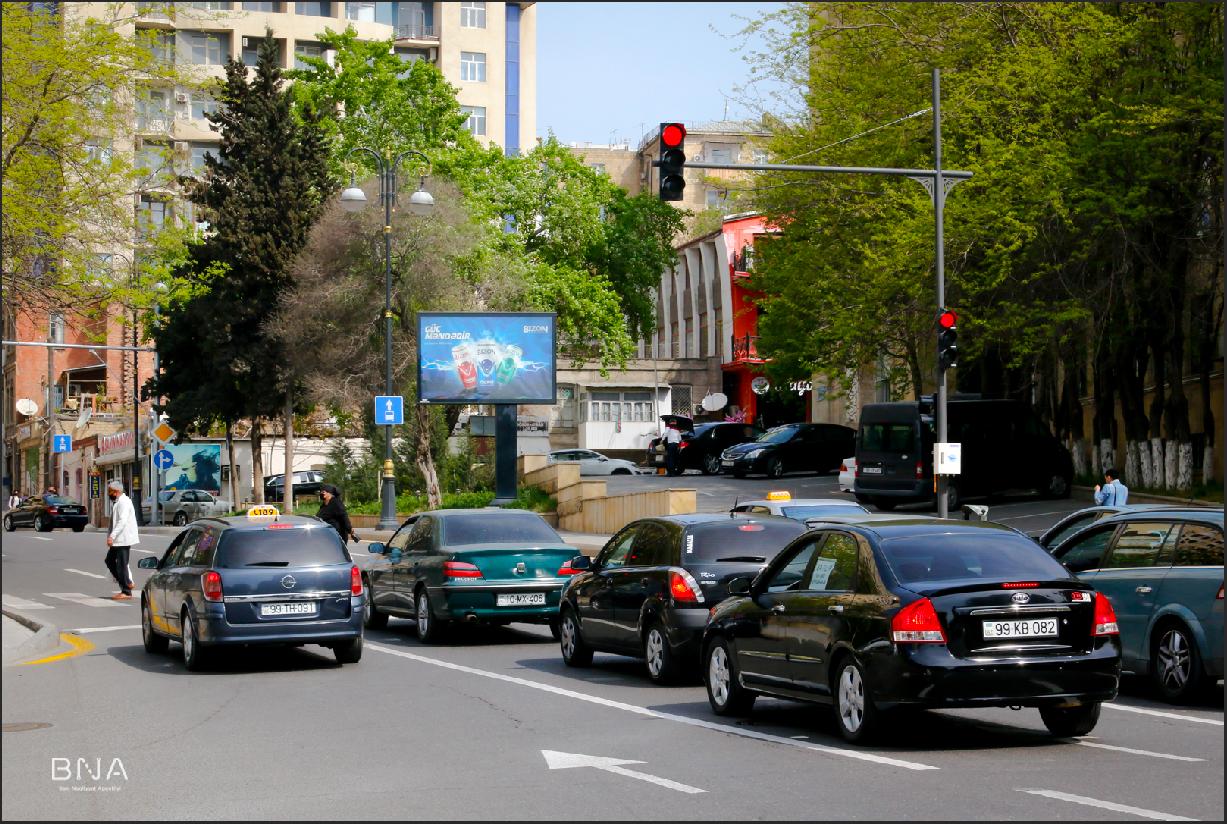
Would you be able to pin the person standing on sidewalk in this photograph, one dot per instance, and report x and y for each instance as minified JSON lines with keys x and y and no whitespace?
{"x":673,"y":439}
{"x":333,"y":513}
{"x":122,"y":538}
{"x":1113,"y":492}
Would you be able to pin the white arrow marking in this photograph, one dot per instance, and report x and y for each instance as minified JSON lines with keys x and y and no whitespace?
{"x":569,"y":760}
{"x":90,"y":574}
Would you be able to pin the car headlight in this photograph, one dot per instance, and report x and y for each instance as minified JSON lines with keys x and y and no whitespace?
{"x":754,"y":453}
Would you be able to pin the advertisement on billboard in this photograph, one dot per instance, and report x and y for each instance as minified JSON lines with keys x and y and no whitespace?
{"x":194,"y":466}
{"x":486,"y":357}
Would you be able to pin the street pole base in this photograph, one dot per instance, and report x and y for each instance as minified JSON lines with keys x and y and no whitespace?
{"x":388,"y":524}
{"x":500,"y":502}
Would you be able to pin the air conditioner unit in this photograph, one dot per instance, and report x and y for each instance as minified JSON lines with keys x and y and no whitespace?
{"x":181,"y":97}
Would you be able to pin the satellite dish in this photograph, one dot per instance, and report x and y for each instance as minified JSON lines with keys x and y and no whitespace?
{"x":714,"y":401}
{"x":26,"y":407}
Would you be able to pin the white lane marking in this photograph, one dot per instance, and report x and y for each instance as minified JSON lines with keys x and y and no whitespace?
{"x":13,"y":602}
{"x":1161,"y":714}
{"x":83,"y":599}
{"x":664,"y":716}
{"x":798,"y":736}
{"x":146,"y":551}
{"x":1139,"y":752}
{"x":84,"y":630}
{"x":570,"y":760}
{"x":40,"y":538}
{"x":1106,"y":805}
{"x":1034,"y":515}
{"x":82,"y":572}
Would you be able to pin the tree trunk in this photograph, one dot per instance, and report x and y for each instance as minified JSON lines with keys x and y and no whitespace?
{"x":1158,"y":464}
{"x":1078,"y":450}
{"x":1171,"y":456}
{"x":913,"y":366}
{"x":1145,"y":464}
{"x":1096,"y":464}
{"x":234,"y":485}
{"x":1133,"y":462}
{"x":1184,"y":467}
{"x":1107,"y":456}
{"x":257,"y":462}
{"x":1207,"y":462}
{"x":425,"y":459}
{"x":287,"y":500}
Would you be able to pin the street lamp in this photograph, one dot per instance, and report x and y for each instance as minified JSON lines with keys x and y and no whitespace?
{"x":353,"y":199}
{"x":155,"y":479}
{"x":136,"y":396}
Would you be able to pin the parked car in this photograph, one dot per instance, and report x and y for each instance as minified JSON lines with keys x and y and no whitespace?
{"x":1162,"y":569}
{"x":495,"y":566}
{"x":847,"y":474}
{"x":181,"y":506}
{"x":594,"y":463}
{"x":800,"y":509}
{"x":45,"y":513}
{"x":914,"y":613}
{"x":307,"y":482}
{"x":1083,"y":518}
{"x":702,"y":443}
{"x":1005,"y":447}
{"x":793,"y":447}
{"x":648,"y":592}
{"x":253,"y":579}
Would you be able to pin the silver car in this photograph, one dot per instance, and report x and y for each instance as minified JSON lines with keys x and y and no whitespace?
{"x":182,"y":506}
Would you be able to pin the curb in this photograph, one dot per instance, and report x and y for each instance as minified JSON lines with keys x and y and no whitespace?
{"x":46,"y":638}
{"x":1147,"y":498}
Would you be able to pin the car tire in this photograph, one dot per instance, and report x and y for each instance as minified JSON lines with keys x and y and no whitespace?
{"x":372,"y":616}
{"x":195,"y":654}
{"x":1070,"y":722}
{"x":41,"y":525}
{"x":154,"y":644}
{"x":180,"y":518}
{"x":658,"y":654}
{"x":1059,"y":486}
{"x":711,"y":465}
{"x":1175,"y":663}
{"x":79,"y":528}
{"x":575,"y":650}
{"x":9,"y":526}
{"x":724,"y":692}
{"x":555,"y":631}
{"x":620,"y":472}
{"x":775,"y":468}
{"x":855,"y":714}
{"x":429,"y":627}
{"x":349,"y":652}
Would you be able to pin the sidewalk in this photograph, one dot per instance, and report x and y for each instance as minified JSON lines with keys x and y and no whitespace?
{"x":1088,"y":493}
{"x":25,"y":639}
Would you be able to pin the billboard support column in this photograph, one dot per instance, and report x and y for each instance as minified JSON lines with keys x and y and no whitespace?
{"x":505,"y":435}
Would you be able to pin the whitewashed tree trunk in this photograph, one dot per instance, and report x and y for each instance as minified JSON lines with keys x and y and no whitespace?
{"x":1077,"y":449}
{"x":1184,"y":467}
{"x":1107,"y":457}
{"x":1145,"y":464}
{"x":1207,"y":464}
{"x":1171,"y":451}
{"x":1160,"y":466}
{"x":1133,"y":469}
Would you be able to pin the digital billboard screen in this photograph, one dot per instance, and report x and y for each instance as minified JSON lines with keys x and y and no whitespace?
{"x":486,"y":357}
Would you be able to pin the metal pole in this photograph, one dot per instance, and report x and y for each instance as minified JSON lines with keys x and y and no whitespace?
{"x":47,"y":473}
{"x":136,"y":413}
{"x":387,"y":509}
{"x":155,"y":475}
{"x":938,"y":197}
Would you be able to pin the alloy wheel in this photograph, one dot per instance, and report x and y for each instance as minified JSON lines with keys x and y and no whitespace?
{"x":719,"y":677}
{"x":1175,"y":660}
{"x":851,"y":699}
{"x":711,"y":464}
{"x":189,"y":638}
{"x":423,"y":616}
{"x":567,"y":637}
{"x":654,"y":649}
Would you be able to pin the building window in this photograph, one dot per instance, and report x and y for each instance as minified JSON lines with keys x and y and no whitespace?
{"x":410,"y":56}
{"x":55,"y":327}
{"x":208,"y":6}
{"x":304,"y":48}
{"x":599,"y":168}
{"x":203,"y":104}
{"x":476,"y":124}
{"x":251,"y":50}
{"x":151,"y":217}
{"x":719,"y":154}
{"x":153,"y":110}
{"x":716,"y":198}
{"x":98,"y":152}
{"x":269,"y":7}
{"x":473,"y":66}
{"x":759,"y":155}
{"x":620,"y":407}
{"x":313,"y":9}
{"x":151,"y":160}
{"x":360,"y":11}
{"x":199,"y":150}
{"x":472,"y":15}
{"x":161,"y":45}
{"x":205,"y":48}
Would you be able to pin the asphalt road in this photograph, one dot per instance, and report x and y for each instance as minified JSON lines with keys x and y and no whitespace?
{"x":490,"y":724}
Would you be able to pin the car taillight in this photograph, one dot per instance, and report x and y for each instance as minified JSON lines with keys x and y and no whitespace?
{"x":1105,"y":616}
{"x":460,"y":569}
{"x":843,"y":467}
{"x":683,"y":445}
{"x":355,"y":581}
{"x":917,"y":623}
{"x":211,"y":583}
{"x":565,"y":570}
{"x":51,"y":510}
{"x":683,"y":588}
{"x":920,"y":470}
{"x":1019,"y":585}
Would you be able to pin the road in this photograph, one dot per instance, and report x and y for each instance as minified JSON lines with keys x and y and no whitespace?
{"x":492,"y":725}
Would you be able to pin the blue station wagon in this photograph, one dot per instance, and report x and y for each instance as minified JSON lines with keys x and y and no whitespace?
{"x":255,"y":579}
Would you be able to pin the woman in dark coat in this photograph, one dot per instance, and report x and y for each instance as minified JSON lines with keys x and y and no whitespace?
{"x":332,"y":512}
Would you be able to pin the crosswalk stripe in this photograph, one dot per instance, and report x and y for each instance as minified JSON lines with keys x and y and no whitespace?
{"x":83,"y":572}
{"x":84,"y":600}
{"x":13,"y":602}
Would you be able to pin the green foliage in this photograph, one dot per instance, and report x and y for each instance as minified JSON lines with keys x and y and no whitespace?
{"x":410,"y":504}
{"x":534,"y":499}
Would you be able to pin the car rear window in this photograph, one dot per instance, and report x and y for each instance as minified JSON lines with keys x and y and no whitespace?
{"x":820,"y":510}
{"x":59,"y":500}
{"x":989,"y":557}
{"x":738,"y":541}
{"x":498,"y":528}
{"x":887,"y":437}
{"x":298,"y":546}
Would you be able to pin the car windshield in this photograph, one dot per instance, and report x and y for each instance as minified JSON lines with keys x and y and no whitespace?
{"x":887,"y":437}
{"x":281,"y":548}
{"x":166,"y":494}
{"x":738,"y":540}
{"x":819,"y":510}
{"x":59,"y":500}
{"x":498,"y":528}
{"x":781,"y":434}
{"x":987,"y":557}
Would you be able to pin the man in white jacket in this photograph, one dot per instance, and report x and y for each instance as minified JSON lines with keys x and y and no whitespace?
{"x":122,"y":538}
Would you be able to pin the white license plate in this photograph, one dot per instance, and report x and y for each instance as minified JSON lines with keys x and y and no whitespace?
{"x":300,"y":608}
{"x":1028,"y":628}
{"x":871,"y":470}
{"x":520,"y":599}
{"x":726,"y":463}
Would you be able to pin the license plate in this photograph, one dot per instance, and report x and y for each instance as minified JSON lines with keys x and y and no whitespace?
{"x":520,"y":599}
{"x":302,"y":608}
{"x":726,"y":462}
{"x":1029,"y":628}
{"x":871,"y":470}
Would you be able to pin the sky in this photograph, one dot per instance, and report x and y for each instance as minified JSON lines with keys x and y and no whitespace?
{"x":612,"y":72}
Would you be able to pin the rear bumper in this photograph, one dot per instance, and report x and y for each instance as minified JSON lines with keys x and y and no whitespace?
{"x":70,"y":520}
{"x":921,"y":490}
{"x":459,"y":601}
{"x":214,"y":629}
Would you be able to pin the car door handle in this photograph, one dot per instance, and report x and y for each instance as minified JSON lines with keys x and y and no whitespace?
{"x":835,"y":608}
{"x":778,"y":608}
{"x":1144,"y":590}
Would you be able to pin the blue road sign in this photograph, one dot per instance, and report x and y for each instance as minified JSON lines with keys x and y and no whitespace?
{"x":61,"y":443}
{"x":389,"y":410}
{"x":163,"y":459}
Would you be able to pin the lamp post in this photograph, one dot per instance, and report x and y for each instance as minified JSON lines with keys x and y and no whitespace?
{"x":421,"y":202}
{"x":155,"y":478}
{"x":136,"y":396}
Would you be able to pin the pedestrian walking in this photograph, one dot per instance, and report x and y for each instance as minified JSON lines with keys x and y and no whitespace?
{"x":332,"y":512}
{"x":14,"y":500}
{"x":673,"y":437}
{"x":122,"y":537}
{"x":1113,"y":492}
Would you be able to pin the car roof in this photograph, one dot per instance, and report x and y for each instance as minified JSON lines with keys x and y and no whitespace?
{"x":257,"y":522}
{"x":803,"y":502}
{"x":1203,"y":514}
{"x":864,"y":518}
{"x":483,"y":511}
{"x":696,"y":518}
{"x":920,"y":527}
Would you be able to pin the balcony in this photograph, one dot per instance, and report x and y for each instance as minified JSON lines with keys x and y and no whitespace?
{"x":417,"y":31}
{"x":743,"y":262}
{"x":745,"y":349}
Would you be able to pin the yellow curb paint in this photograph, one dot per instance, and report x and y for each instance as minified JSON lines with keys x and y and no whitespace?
{"x":79,"y":647}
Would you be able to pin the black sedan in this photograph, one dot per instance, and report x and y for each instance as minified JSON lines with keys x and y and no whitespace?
{"x":701,"y":443}
{"x":45,"y":513}
{"x":921,"y":614}
{"x":793,"y":447}
{"x":261,"y":579}
{"x":648,"y":592}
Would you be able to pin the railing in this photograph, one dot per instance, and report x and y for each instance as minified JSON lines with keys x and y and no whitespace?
{"x":416,"y":31}
{"x":745,"y":348}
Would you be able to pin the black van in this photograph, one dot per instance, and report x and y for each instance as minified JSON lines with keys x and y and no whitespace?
{"x":1005,"y":447}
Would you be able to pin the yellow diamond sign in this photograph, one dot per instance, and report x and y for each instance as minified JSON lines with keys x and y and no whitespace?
{"x":163,"y":432}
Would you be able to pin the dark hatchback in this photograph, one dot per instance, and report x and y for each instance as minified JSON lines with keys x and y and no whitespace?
{"x":702,"y":443}
{"x":924,"y":614}
{"x":793,"y":447}
{"x":45,"y":513}
{"x":259,"y":580}
{"x":648,"y":592}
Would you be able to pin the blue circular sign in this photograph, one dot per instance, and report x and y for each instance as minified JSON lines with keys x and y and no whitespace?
{"x":163,"y":459}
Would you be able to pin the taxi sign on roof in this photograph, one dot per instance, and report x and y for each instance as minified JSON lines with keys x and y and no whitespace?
{"x":263,"y":511}
{"x":779,"y":496}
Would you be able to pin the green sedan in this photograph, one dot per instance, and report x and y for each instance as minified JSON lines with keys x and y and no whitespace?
{"x":494,"y":566}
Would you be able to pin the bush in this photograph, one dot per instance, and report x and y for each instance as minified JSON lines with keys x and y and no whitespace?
{"x":533,"y":499}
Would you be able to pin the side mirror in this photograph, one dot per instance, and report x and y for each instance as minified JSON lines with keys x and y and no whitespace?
{"x":148,"y":562}
{"x":739,"y":586}
{"x":602,"y":458}
{"x":394,"y":556}
{"x":375,"y":548}
{"x":581,"y":562}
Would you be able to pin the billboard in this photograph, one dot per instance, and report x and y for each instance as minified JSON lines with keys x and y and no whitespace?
{"x":196,"y":466}
{"x":495,"y":357}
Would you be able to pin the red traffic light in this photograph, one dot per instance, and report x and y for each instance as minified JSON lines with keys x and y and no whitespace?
{"x":947,"y":319}
{"x":672,"y":135}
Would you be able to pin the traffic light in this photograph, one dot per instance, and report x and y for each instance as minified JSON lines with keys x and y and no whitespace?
{"x":947,"y":340}
{"x":672,"y":160}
